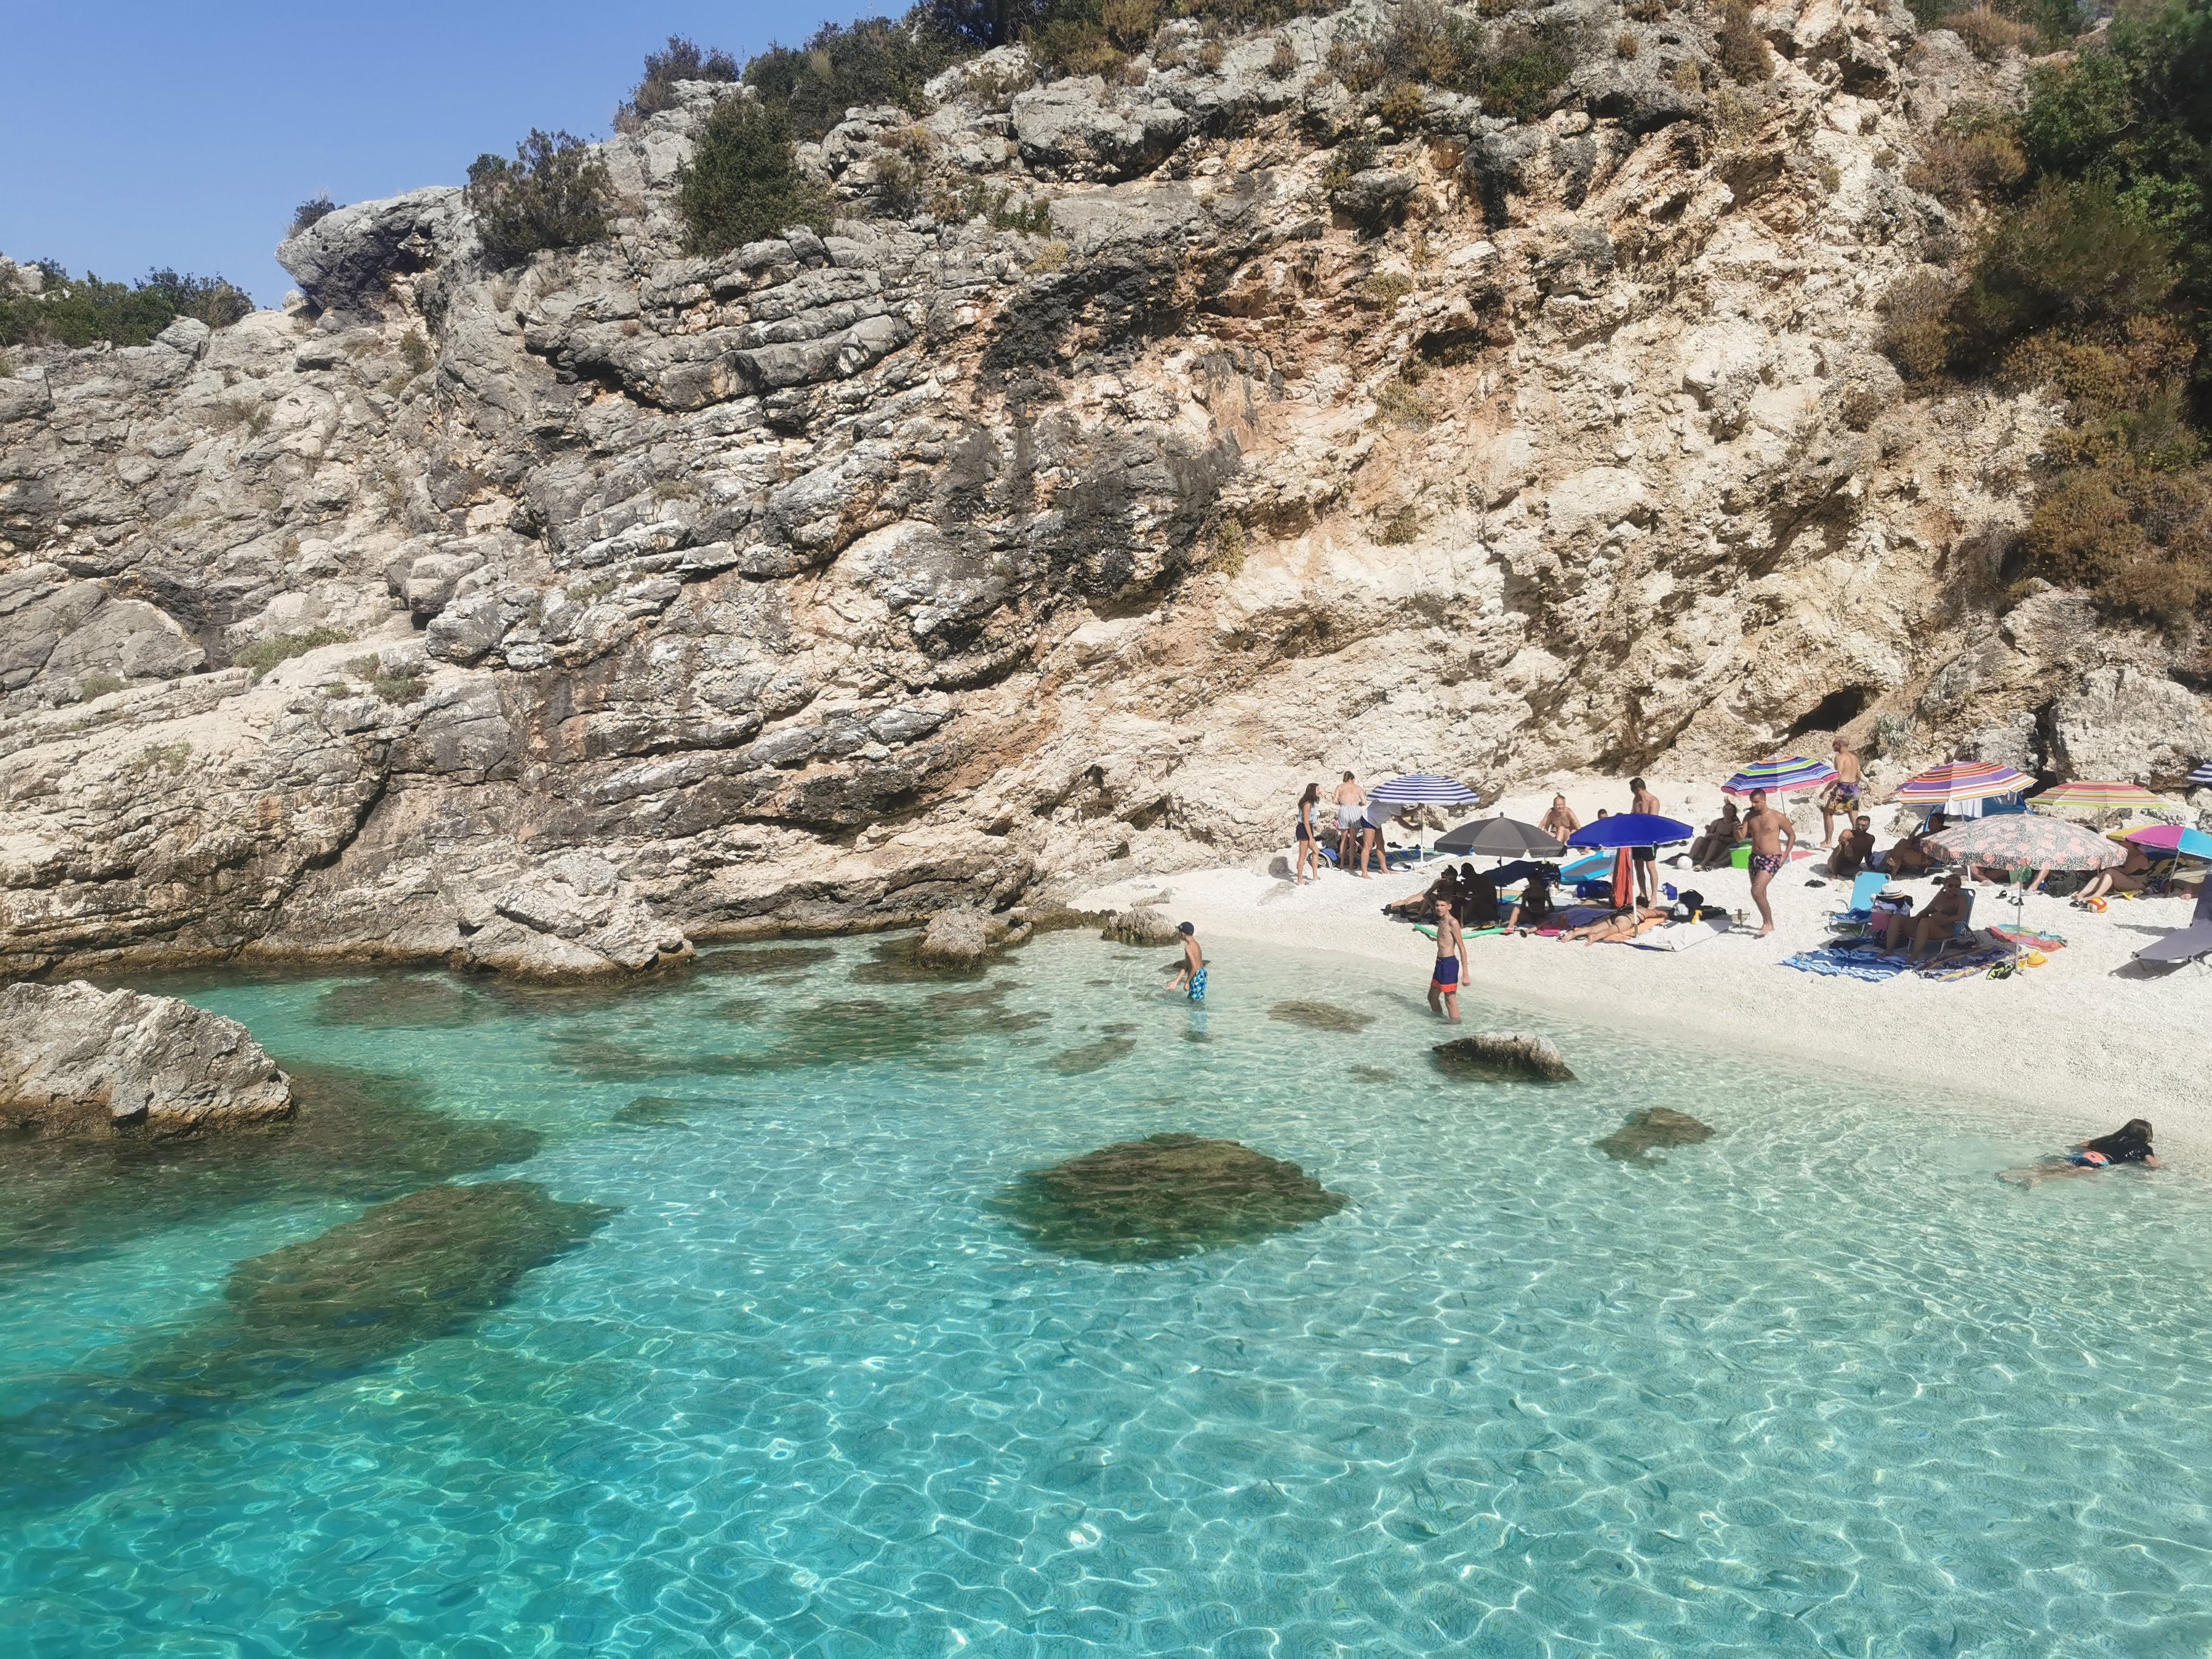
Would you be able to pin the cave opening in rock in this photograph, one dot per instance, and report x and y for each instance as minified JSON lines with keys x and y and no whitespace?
{"x":1832,"y":714}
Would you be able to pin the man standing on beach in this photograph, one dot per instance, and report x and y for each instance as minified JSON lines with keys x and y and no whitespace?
{"x":1641,"y":799}
{"x":1773,"y":838}
{"x":1841,"y":796}
{"x":1451,"y":960}
{"x":1352,"y":825}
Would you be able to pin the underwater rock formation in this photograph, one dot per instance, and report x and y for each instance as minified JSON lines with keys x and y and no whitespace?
{"x":1320,"y":1016}
{"x":74,"y":1059}
{"x":1495,"y":1056}
{"x":1166,"y":1195}
{"x":1653,"y":1129}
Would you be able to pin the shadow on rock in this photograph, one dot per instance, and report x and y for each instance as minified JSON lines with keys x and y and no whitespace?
{"x":383,"y":1004}
{"x":355,"y":1136}
{"x":1652,"y":1130}
{"x":1320,"y":1016}
{"x":1167,"y":1195}
{"x":418,"y":1267}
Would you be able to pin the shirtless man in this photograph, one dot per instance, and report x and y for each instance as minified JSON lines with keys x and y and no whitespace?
{"x":1451,"y":962}
{"x":1352,"y":825}
{"x":1560,"y":821}
{"x":1773,"y":839}
{"x":1191,"y":976}
{"x":1641,"y":799}
{"x":1855,"y":851}
{"x":1842,"y":795}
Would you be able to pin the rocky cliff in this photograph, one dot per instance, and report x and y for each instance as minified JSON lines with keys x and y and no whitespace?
{"x":550,"y":618}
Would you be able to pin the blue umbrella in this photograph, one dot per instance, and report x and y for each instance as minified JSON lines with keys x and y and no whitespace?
{"x":1631,"y":829}
{"x":1424,"y":789}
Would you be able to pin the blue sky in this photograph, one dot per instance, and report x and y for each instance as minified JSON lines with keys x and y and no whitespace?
{"x":138,"y":135}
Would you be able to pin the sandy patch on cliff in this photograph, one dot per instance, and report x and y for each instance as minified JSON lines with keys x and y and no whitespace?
{"x":2068,"y":1044}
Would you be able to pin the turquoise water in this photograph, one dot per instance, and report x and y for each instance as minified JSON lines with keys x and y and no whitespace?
{"x":1817,"y":1385}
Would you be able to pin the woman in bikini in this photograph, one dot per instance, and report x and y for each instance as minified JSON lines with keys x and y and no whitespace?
{"x":2128,"y":1144}
{"x":1308,"y":848}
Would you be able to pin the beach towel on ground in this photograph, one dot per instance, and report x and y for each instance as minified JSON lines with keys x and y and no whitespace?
{"x":1843,"y":962}
{"x":1683,"y":934}
{"x":2029,"y":939}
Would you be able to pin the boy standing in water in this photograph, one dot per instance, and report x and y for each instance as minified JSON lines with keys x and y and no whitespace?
{"x":1451,"y":958}
{"x":1191,"y":975}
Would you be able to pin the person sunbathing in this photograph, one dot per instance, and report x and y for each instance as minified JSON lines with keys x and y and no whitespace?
{"x":2128,"y":1144}
{"x":1621,"y":926}
{"x":1422,"y":906}
{"x":1909,"y":857}
{"x":2131,"y":876}
{"x":1853,"y":850}
{"x":1910,"y":937}
{"x":1713,"y":848}
{"x":1522,"y":910}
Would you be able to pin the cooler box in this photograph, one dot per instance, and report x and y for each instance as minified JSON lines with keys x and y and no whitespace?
{"x":1742,"y":857}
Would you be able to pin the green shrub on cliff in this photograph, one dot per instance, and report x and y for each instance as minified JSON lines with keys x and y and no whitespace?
{"x":554,"y":193}
{"x":84,"y":311}
{"x":872,"y":61}
{"x":744,"y":183}
{"x":680,"y":60}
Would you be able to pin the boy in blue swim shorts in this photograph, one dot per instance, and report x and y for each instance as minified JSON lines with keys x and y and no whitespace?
{"x":1451,"y":959}
{"x":1191,"y":975}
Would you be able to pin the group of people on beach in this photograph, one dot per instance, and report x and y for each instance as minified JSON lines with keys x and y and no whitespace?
{"x":1357,"y":831}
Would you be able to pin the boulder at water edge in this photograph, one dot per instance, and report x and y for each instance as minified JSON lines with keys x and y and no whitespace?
{"x":1141,"y":925}
{"x":74,"y":1058}
{"x":955,"y":938}
{"x":1497,"y":1056}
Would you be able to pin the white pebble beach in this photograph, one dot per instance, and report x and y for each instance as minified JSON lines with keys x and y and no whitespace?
{"x":2081,"y":1040}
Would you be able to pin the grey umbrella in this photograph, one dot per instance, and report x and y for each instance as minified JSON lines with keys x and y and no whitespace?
{"x":1500,"y":838}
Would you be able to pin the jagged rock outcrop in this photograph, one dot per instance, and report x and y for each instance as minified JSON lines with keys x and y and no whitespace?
{"x":77,"y":1059}
{"x":1154,"y":464}
{"x":1503,"y":1055}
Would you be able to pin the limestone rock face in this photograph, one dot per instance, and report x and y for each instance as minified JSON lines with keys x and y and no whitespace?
{"x":76,"y":1059}
{"x":1059,"y":517}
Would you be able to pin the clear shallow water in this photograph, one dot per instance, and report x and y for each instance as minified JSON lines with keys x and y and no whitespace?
{"x":1818,"y":1385}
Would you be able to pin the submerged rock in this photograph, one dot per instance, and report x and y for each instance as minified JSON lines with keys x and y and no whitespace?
{"x":1166,"y":1195}
{"x":900,"y":960}
{"x":405,"y":1272}
{"x":1498,"y":1057}
{"x":74,"y":1059}
{"x":655,"y":1112}
{"x":1320,"y":1016}
{"x":1374,"y":1074}
{"x":354,"y":1136}
{"x":770,"y":958}
{"x":1653,"y":1129}
{"x":398,"y":1003}
{"x":1090,"y":1056}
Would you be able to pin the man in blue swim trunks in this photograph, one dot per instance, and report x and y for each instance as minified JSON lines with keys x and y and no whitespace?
{"x":1191,"y":975}
{"x":1451,"y":962}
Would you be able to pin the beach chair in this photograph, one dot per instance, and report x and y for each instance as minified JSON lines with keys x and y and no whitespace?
{"x":1854,"y":921}
{"x":1962,"y":937}
{"x":2186,"y":944}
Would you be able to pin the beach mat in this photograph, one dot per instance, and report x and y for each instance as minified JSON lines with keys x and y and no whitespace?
{"x":1682,"y":935}
{"x":2029,"y":939}
{"x":1843,"y":962}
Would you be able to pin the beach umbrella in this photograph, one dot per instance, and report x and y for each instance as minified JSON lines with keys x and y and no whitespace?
{"x":2023,"y":841}
{"x":2202,"y":775}
{"x":1500,"y":838}
{"x":1962,"y":781}
{"x":2094,"y":797}
{"x":2173,"y":838}
{"x":1631,"y":829}
{"x":1424,"y":789}
{"x":1780,"y":774}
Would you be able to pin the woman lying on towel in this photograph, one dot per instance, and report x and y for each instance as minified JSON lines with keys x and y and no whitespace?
{"x":1531,"y":905}
{"x":2128,"y":1144}
{"x":1422,"y":906}
{"x":1621,"y":926}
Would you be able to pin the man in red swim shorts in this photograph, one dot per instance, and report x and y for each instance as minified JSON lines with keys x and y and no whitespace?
{"x":1451,"y":961}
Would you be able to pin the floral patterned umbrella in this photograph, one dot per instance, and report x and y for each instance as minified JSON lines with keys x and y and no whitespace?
{"x":2027,"y":841}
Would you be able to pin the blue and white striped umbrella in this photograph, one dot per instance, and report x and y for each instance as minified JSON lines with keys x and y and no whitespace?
{"x":2202,"y":776}
{"x":1424,"y":789}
